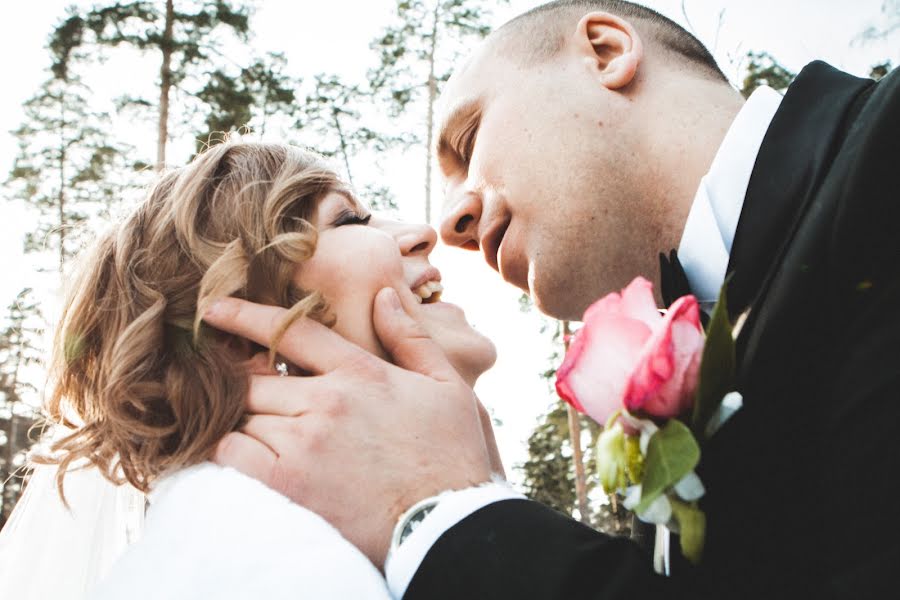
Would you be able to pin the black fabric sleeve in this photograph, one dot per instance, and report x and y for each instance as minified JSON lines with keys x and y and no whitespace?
{"x":862,"y":427}
{"x":521,"y":549}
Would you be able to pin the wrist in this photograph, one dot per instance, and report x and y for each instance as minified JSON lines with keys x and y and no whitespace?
{"x":409,"y":521}
{"x":452,"y":507}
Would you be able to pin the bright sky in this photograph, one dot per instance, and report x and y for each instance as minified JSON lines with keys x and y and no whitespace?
{"x":334,"y":37}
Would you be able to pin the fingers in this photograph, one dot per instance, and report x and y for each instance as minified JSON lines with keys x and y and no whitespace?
{"x":269,"y":430}
{"x":284,"y":396}
{"x":406,"y":340}
{"x":259,"y":365}
{"x":247,"y":455}
{"x":307,"y":344}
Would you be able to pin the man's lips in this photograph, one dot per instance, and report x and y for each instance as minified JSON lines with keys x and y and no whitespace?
{"x":491,"y":240}
{"x":500,"y":252}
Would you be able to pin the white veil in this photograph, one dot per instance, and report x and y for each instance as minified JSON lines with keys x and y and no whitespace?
{"x":48,"y":551}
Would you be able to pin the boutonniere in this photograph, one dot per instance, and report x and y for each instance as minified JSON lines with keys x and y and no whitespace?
{"x":662,"y":386}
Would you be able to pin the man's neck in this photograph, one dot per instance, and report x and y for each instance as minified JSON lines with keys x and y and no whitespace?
{"x":684,"y":148}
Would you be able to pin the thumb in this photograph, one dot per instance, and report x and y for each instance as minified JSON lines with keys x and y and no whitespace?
{"x":407,"y":342}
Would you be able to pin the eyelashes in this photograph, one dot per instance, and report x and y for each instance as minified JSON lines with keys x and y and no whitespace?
{"x":351,"y":218}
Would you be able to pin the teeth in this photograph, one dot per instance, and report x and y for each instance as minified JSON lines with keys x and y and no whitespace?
{"x":427,"y":291}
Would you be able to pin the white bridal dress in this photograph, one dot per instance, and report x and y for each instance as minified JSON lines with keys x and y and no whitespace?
{"x":209,"y":532}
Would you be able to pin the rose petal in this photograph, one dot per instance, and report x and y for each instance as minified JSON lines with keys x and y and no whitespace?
{"x":594,"y":372}
{"x":638,"y":302}
{"x":658,"y":385}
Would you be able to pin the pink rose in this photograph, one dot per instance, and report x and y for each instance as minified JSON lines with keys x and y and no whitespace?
{"x":628,"y":355}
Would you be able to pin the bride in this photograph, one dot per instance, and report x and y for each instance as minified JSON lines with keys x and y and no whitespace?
{"x":147,"y":390}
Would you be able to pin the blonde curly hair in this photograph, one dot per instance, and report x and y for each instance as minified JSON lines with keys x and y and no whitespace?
{"x":146,"y":386}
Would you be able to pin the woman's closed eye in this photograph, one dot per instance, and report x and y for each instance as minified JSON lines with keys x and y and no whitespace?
{"x":350,"y":217}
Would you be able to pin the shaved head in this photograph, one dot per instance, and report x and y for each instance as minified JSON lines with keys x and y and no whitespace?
{"x":539,"y":34}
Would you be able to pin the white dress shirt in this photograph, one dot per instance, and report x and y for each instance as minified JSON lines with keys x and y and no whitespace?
{"x":704,"y":251}
{"x":709,"y":231}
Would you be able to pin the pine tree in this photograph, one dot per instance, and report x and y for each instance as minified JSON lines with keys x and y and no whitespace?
{"x":763,"y":69}
{"x":64,"y":166}
{"x":334,"y":112}
{"x":18,"y":350}
{"x":548,"y":474}
{"x":247,"y":98}
{"x":879,"y":70}
{"x":186,"y":38}
{"x":417,"y":54}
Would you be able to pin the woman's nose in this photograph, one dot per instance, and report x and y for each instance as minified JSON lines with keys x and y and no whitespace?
{"x":417,"y":239}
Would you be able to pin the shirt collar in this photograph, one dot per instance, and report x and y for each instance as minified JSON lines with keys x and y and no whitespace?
{"x":713,"y":218}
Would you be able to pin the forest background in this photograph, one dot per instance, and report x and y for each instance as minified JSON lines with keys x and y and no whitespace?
{"x":98,"y":95}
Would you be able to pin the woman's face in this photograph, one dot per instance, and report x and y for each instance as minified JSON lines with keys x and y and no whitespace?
{"x":358,"y":254}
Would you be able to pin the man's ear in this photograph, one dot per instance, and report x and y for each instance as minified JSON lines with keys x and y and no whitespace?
{"x":611,"y":46}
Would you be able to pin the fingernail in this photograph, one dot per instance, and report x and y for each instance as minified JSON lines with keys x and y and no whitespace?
{"x":394,"y":299}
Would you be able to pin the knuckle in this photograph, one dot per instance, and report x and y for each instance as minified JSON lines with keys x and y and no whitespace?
{"x":316,"y":437}
{"x":333,"y":405}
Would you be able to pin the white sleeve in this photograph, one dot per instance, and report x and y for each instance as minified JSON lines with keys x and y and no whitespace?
{"x":212,"y":532}
{"x":453,"y":507}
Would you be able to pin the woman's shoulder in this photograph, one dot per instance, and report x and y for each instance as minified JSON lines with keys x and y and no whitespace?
{"x":212,"y":531}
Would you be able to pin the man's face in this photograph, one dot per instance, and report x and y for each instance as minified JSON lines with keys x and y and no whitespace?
{"x":541,"y":173}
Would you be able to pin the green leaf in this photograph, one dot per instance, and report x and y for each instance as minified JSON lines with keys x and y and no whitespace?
{"x":692,"y":529}
{"x":671,"y":454}
{"x":716,"y":366}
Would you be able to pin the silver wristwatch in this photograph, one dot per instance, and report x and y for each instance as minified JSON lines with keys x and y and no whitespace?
{"x":411,"y":519}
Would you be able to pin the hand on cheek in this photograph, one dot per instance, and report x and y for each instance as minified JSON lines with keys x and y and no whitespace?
{"x":362,"y":440}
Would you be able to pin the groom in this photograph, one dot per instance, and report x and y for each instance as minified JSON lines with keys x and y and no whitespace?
{"x":582,"y":139}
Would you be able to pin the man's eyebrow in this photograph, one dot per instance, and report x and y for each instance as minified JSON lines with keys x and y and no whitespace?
{"x":464,"y":118}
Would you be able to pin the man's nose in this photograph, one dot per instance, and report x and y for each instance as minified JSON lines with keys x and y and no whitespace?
{"x":459,"y":225}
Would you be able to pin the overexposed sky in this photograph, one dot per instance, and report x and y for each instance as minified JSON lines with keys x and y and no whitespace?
{"x":334,"y":37}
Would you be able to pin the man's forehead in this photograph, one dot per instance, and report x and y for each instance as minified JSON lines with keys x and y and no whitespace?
{"x":469,"y":85}
{"x":484,"y":61}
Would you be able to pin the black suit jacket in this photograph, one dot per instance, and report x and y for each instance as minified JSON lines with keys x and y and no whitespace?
{"x":801,"y":482}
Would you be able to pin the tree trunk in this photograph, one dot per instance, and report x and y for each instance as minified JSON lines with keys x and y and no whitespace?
{"x":165,"y":85}
{"x":343,"y":142}
{"x":61,"y":194}
{"x":6,"y":496}
{"x":12,"y":430}
{"x":265,"y":117}
{"x":432,"y":94}
{"x":577,"y":455}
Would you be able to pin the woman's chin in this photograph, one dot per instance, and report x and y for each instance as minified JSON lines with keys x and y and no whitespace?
{"x":474,"y":360}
